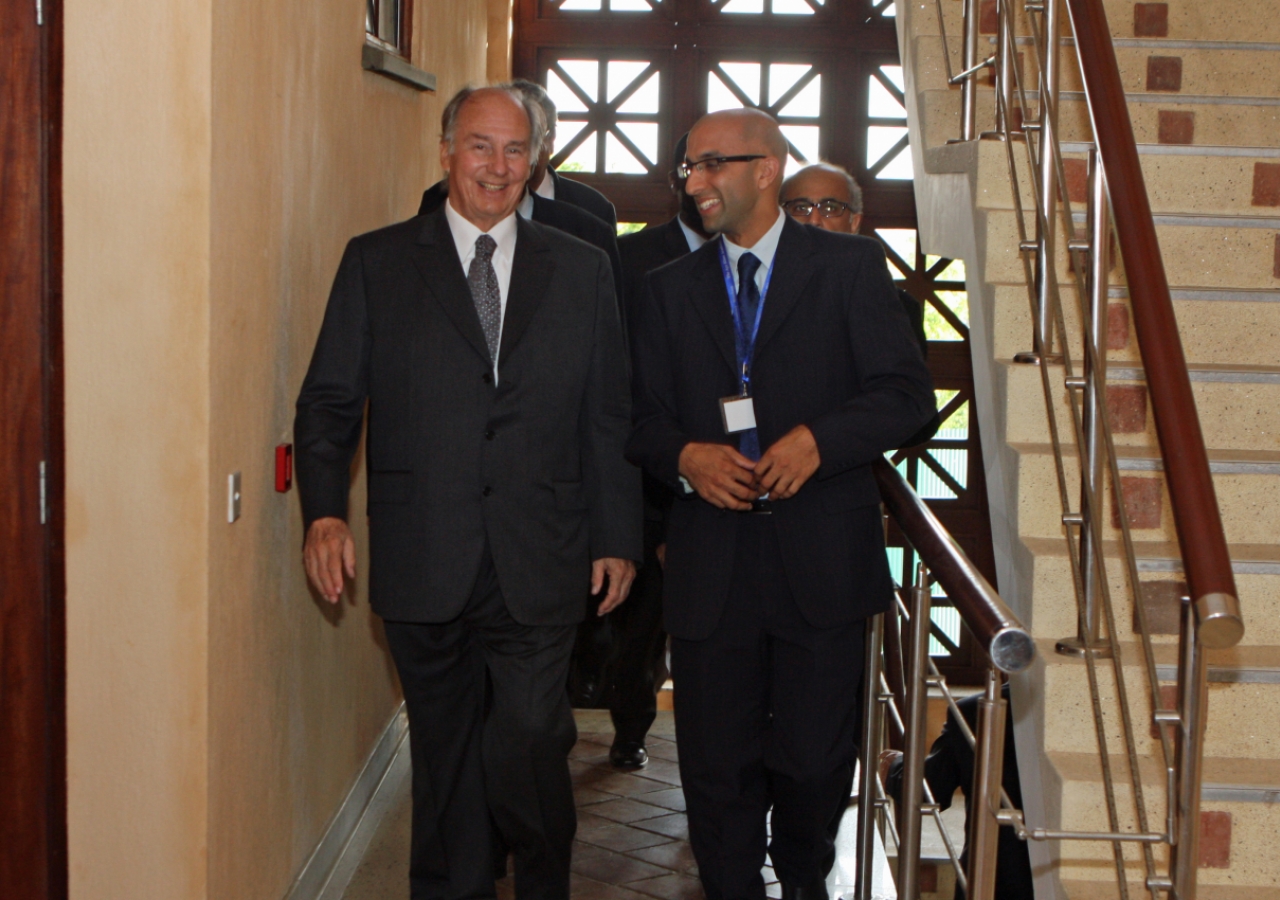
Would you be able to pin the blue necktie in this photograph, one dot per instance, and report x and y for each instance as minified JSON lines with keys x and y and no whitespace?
{"x":748,"y":306}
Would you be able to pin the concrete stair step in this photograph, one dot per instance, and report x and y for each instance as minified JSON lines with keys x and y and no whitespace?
{"x":1214,"y":252}
{"x":1180,"y":180}
{"x":1053,"y":616}
{"x":1239,"y":407}
{"x":1237,"y":842}
{"x":1220,"y":327}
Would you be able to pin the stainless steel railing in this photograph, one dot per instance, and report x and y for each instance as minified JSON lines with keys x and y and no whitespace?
{"x":1079,"y":428}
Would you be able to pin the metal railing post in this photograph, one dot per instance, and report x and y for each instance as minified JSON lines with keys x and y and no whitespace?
{"x":872,"y":738}
{"x":988,"y":773}
{"x":1004,"y":68}
{"x":969,"y":90}
{"x":909,"y":817}
{"x":1094,"y":385}
{"x":1193,"y":708}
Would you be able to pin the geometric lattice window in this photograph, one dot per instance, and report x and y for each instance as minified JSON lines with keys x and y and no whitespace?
{"x":936,"y":282}
{"x":777,"y":7}
{"x":607,"y":115}
{"x":606,"y":5}
{"x":885,"y":8}
{"x":888,"y":148}
{"x":790,"y":92}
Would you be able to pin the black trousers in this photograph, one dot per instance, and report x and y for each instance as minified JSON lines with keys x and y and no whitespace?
{"x":765,"y":719}
{"x":477,"y":766}
{"x":639,"y":645}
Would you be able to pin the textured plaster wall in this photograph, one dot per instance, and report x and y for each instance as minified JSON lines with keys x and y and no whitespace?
{"x":218,"y":157}
{"x":137,"y":199}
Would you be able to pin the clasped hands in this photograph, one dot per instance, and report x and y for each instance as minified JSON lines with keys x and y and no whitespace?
{"x":725,"y":478}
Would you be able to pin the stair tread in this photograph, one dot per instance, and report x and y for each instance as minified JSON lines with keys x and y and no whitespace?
{"x":1219,"y":772}
{"x":1137,"y":452}
{"x":1158,"y":550}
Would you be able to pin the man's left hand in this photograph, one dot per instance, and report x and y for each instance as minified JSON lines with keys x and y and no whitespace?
{"x":788,"y":464}
{"x":620,"y":572}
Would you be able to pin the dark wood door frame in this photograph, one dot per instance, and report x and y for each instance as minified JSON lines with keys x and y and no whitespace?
{"x":33,"y":819}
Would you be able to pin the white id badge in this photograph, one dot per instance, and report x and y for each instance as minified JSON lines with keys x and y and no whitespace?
{"x":738,"y":413}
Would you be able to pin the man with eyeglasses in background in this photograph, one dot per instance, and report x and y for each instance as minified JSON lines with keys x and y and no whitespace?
{"x":771,"y":367}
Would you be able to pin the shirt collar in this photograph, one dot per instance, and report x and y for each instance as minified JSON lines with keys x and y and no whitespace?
{"x":465,"y":233}
{"x":526,"y":206}
{"x":763,"y":249}
{"x":694,"y":239}
{"x":548,"y":187}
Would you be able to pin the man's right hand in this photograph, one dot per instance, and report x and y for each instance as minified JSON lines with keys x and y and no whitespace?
{"x":720,"y":474}
{"x":328,"y":554}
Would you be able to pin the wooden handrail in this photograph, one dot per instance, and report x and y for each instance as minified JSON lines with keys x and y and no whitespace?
{"x":996,"y":629}
{"x":1203,"y":542}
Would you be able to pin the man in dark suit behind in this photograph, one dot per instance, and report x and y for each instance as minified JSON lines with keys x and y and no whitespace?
{"x":546,"y":181}
{"x":490,"y":354}
{"x":638,"y":641}
{"x":775,"y":553}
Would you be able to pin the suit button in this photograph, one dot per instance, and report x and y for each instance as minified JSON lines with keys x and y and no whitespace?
{"x":488,"y":378}
{"x":487,"y":490}
{"x":490,"y":434}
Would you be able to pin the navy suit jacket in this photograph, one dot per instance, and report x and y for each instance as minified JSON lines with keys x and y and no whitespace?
{"x":835,"y":352}
{"x":584,"y":196}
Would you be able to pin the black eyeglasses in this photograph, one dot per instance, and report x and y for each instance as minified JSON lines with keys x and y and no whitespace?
{"x":713,"y":164}
{"x":828,"y":208}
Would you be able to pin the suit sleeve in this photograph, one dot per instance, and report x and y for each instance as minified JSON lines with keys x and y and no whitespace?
{"x":895,"y":392}
{"x":613,"y":484}
{"x":330,"y":409}
{"x":656,"y":437}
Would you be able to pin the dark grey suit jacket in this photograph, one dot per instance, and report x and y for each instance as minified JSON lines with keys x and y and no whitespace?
{"x":584,"y":196}
{"x":835,"y":352}
{"x":532,"y":467}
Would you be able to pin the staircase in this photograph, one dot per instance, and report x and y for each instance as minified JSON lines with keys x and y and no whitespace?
{"x":1202,"y":79}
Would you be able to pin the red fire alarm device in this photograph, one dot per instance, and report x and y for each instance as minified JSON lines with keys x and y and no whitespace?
{"x":284,"y":467}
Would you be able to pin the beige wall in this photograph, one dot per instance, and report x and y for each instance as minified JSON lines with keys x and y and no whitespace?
{"x":217,"y":160}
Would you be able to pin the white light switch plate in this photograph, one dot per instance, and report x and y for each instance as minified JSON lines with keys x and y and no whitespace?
{"x":233,"y":497}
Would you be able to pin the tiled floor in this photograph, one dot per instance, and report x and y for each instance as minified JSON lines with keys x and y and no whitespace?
{"x":632,"y":841}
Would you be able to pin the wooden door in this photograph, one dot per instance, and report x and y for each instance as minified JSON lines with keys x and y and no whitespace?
{"x":33,"y":863}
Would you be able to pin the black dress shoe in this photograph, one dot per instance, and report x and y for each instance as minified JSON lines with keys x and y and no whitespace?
{"x":815,"y":891}
{"x":628,"y":755}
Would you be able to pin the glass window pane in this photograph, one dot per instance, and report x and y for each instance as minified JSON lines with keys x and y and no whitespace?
{"x":630,"y":227}
{"x":586,"y":74}
{"x":619,"y":73}
{"x":953,"y":272}
{"x":573,"y":5}
{"x":743,"y":6}
{"x":583,"y":159}
{"x":955,"y":461}
{"x":947,"y":618}
{"x":881,"y":104}
{"x":805,"y":140}
{"x":956,"y":428}
{"x":930,"y":487}
{"x":936,"y":328}
{"x":880,"y":140}
{"x":566,"y":132}
{"x":894,"y":74}
{"x":618,"y":158}
{"x":746,"y":75}
{"x":807,"y":103}
{"x":630,"y":5}
{"x":792,"y":8}
{"x":564,"y":98}
{"x":902,"y":241}
{"x":645,"y":136}
{"x":890,"y":11}
{"x":782,"y":76}
{"x":957,"y":302}
{"x":645,"y":99}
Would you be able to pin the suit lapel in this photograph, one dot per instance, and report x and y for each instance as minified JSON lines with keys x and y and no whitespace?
{"x":530,"y":277}
{"x":712,"y":303}
{"x":792,"y":270}
{"x":436,"y":258}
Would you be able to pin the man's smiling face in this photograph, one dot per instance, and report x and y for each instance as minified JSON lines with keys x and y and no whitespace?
{"x":488,"y":162}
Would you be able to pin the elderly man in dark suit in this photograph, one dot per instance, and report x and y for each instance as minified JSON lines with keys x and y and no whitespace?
{"x":490,"y":354}
{"x":771,"y":368}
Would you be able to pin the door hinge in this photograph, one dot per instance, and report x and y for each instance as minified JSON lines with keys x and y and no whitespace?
{"x":39,"y":12}
{"x":44,"y":495}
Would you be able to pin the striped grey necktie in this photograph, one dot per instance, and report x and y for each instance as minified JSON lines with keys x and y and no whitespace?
{"x":484,"y":292}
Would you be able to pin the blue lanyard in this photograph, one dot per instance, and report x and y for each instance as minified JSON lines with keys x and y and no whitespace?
{"x":745,"y":343}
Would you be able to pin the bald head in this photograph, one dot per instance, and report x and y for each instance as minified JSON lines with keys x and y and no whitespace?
{"x":736,"y":194}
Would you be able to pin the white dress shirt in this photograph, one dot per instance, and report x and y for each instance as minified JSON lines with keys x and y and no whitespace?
{"x":504,"y":235}
{"x":763,"y":250}
{"x":548,"y":187}
{"x":694,"y":239}
{"x":526,"y":206}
